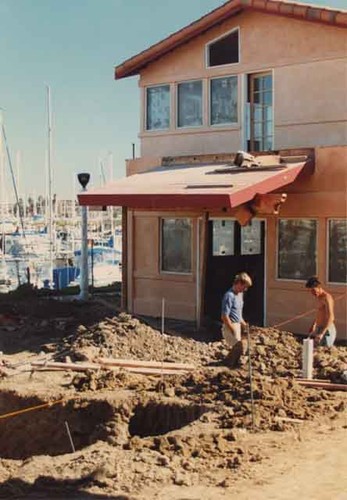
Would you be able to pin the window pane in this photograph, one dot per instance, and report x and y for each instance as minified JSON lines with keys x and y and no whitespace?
{"x":223,"y":100}
{"x":224,"y":50}
{"x":268,"y":128}
{"x":267,"y":98}
{"x":176,"y":245}
{"x":190,"y":104}
{"x":267,"y":82}
{"x":223,"y":237}
{"x":251,"y":238}
{"x":258,"y":130}
{"x":297,"y":249}
{"x":338,"y":251}
{"x":158,"y":108}
{"x":268,"y":144}
{"x":257,"y":112}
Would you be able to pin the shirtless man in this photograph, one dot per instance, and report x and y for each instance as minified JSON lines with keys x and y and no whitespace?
{"x":322,"y":330}
{"x":232,"y":317}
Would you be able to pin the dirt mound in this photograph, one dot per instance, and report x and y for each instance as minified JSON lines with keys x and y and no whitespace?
{"x":135,"y":431}
{"x":331,"y":364}
{"x":124,"y":336}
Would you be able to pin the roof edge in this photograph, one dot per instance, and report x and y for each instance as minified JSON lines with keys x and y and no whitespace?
{"x":307,"y":12}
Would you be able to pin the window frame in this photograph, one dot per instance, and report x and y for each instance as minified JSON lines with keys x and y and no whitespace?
{"x":229,"y":124}
{"x":293,"y":280}
{"x":250,"y":92}
{"x":153,"y":130}
{"x":220,"y":37}
{"x":327,"y":253}
{"x":183,"y":127}
{"x":177,"y":273}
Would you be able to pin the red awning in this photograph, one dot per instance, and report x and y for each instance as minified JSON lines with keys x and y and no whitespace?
{"x":192,"y":187}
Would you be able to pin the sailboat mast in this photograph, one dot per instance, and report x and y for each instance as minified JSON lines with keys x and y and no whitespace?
{"x":50,"y":182}
{"x":12,"y":172}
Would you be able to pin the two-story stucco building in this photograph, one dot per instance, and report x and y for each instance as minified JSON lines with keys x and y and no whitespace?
{"x":263,"y":76}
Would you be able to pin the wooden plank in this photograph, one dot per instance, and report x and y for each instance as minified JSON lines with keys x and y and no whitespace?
{"x":144,"y":364}
{"x":322,"y":385}
{"x":67,"y":366}
{"x":153,"y":371}
{"x":81,"y":367}
{"x":290,"y":420}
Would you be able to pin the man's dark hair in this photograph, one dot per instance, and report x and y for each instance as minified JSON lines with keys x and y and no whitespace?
{"x":313,"y":282}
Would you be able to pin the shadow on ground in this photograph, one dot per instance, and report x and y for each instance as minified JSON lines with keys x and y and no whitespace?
{"x":48,"y":487}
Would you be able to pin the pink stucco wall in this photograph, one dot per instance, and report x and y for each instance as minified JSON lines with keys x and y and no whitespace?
{"x":309,"y":68}
{"x":321,"y":196}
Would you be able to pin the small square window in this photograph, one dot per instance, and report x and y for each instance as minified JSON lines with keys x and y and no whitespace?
{"x":176,"y":245}
{"x":297,"y":242}
{"x":225,"y":50}
{"x":223,"y":237}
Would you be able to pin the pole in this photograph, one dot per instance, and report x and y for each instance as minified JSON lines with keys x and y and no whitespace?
{"x":49,"y":167}
{"x":163,"y":339}
{"x":70,"y":437}
{"x":92,"y":263}
{"x":84,"y":253}
{"x":12,"y":173}
{"x":250,"y":374}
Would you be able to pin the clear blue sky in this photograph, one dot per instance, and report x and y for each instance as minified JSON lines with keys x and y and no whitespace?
{"x":73,"y":46}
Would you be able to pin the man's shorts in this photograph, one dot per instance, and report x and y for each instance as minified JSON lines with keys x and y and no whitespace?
{"x":329,"y":336}
{"x":233,"y":336}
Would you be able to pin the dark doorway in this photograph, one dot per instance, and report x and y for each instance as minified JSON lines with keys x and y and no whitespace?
{"x":232,"y":249}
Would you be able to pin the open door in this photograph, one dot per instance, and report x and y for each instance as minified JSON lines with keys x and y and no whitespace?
{"x":232,"y":249}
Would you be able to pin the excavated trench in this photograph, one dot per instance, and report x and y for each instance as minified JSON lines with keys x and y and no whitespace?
{"x":157,"y":418}
{"x":44,"y":431}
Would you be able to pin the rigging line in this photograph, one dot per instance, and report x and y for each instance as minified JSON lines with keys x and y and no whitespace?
{"x":12,"y":176}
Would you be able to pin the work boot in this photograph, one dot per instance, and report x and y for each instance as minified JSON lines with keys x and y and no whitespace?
{"x":233,"y":358}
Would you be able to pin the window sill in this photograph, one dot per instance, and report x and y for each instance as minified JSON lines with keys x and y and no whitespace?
{"x":191,"y":130}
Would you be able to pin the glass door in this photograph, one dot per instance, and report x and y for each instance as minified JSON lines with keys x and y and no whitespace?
{"x":260,"y":98}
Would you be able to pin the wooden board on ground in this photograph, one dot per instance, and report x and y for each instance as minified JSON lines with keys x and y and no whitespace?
{"x":82,"y":367}
{"x":144,"y":364}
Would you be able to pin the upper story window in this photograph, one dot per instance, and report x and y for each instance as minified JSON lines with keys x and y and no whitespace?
{"x":158,"y":107}
{"x":224,"y":50}
{"x":260,"y":96}
{"x":189,"y":104}
{"x":223,"y":100}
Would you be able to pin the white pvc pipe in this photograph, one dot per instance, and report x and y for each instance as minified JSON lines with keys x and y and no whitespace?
{"x":307,"y":359}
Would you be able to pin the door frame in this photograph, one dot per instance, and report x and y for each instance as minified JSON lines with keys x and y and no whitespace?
{"x":265,"y":257}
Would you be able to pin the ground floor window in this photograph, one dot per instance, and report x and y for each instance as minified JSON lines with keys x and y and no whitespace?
{"x":337,"y":241}
{"x":297,"y":248}
{"x":176,"y":245}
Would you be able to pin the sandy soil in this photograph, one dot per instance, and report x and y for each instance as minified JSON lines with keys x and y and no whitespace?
{"x":181,"y":437}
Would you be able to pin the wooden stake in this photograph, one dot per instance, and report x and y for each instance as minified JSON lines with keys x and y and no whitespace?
{"x":70,"y":437}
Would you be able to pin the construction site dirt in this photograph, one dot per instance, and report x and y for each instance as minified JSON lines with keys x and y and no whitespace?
{"x":97,"y":404}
